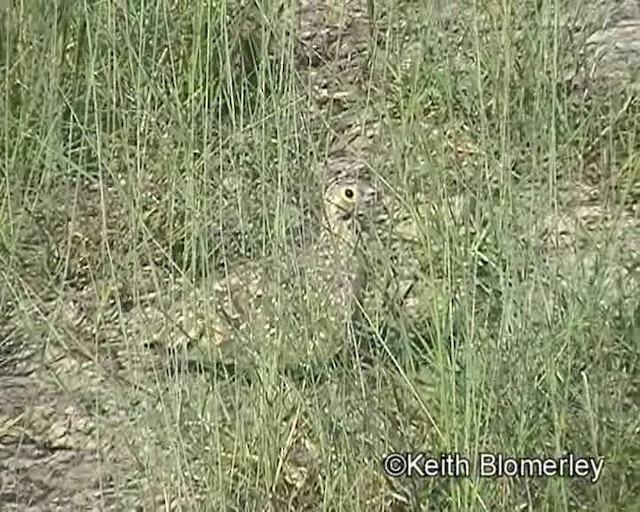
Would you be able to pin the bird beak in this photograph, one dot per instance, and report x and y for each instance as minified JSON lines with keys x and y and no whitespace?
{"x":370,"y":196}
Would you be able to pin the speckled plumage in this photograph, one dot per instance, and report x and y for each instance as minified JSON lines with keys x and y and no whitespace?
{"x":299,"y":307}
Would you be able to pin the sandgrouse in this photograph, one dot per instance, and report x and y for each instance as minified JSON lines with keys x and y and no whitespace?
{"x":300,"y":309}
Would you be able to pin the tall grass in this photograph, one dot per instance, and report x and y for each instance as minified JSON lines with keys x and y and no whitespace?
{"x":142,"y":141}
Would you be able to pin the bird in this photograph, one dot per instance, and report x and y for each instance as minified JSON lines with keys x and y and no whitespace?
{"x":296,"y":309}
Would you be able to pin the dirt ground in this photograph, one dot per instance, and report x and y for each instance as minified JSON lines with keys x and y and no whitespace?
{"x":52,"y":454}
{"x":49,"y":457}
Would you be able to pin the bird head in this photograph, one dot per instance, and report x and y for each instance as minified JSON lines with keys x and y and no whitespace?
{"x":346,"y":203}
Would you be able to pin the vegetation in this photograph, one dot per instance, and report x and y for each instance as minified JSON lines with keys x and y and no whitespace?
{"x":144,"y":141}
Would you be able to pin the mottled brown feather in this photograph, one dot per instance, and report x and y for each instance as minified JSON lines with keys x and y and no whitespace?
{"x":295,"y":306}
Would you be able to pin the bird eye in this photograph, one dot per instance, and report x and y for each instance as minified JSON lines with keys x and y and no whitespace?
{"x":349,"y":193}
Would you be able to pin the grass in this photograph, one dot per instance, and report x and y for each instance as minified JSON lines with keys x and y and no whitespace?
{"x":142,"y":141}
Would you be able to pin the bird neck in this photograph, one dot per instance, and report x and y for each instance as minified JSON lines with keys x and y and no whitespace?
{"x":342,"y":237}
